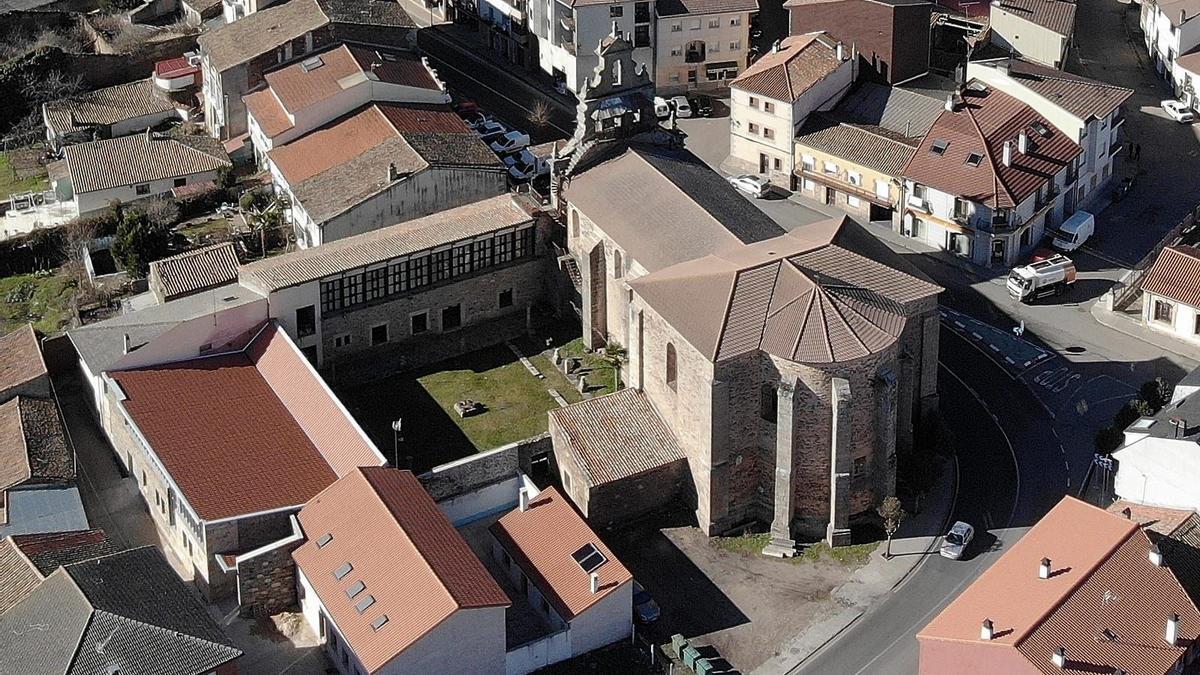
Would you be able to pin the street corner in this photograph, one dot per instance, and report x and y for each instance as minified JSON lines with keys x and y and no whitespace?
{"x":1008,"y":350}
{"x":1075,"y":396}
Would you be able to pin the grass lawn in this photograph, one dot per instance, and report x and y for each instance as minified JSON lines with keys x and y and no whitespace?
{"x":24,"y":178}
{"x":198,"y":231}
{"x":43,"y":299}
{"x":599,"y":372}
{"x":854,"y":555}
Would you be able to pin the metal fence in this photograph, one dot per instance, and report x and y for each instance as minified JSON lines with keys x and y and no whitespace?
{"x":1127,"y":287}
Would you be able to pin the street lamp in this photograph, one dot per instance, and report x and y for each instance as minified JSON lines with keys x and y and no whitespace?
{"x":397,"y":427}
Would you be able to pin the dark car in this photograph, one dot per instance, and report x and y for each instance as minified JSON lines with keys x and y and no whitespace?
{"x":1122,"y":188}
{"x":701,"y":106}
{"x":645,"y":609}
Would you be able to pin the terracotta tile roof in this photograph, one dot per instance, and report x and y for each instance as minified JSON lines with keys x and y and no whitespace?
{"x":981,"y":125}
{"x":18,"y":576}
{"x":1101,"y":579}
{"x":173,"y":68}
{"x":298,"y":267}
{"x":542,"y":538}
{"x":224,"y":433}
{"x":698,"y":7}
{"x":52,"y":550}
{"x":1189,"y":61}
{"x":1054,"y":15}
{"x":402,"y":549}
{"x":617,"y":436}
{"x":1082,"y":97}
{"x":1175,"y":275}
{"x":233,"y":44}
{"x":20,"y":358}
{"x":801,"y":62}
{"x":875,"y":149}
{"x":197,"y":270}
{"x":1154,"y":518}
{"x":140,"y":158}
{"x":103,"y":107}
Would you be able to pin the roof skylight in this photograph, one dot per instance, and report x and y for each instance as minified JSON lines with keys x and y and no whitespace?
{"x":341,"y":572}
{"x":939,"y":146}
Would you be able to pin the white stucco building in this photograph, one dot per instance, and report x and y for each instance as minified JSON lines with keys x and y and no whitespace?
{"x":569,"y":34}
{"x":1156,"y":464}
{"x":1171,"y":293}
{"x":1038,"y":30}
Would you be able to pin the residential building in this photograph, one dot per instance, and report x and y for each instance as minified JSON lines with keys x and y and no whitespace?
{"x":412,"y":293}
{"x":1169,"y":30}
{"x":37,"y":470}
{"x":206,"y":14}
{"x":307,"y":94}
{"x":192,"y":272}
{"x":262,"y":434}
{"x":700,"y":44}
{"x":1039,"y":30}
{"x":568,"y":32}
{"x":1082,"y":590}
{"x":891,"y":37}
{"x":232,"y":10}
{"x":506,"y":27}
{"x":853,"y":156}
{"x":1171,"y":293}
{"x":27,"y":559}
{"x":110,"y":112}
{"x":235,"y":57}
{"x":1176,"y":533}
{"x":1187,"y":84}
{"x":990,"y":179}
{"x":22,"y":368}
{"x":178,"y":74}
{"x":124,"y":612}
{"x":1154,"y":464}
{"x":381,"y":164}
{"x":1089,"y":111}
{"x":96,"y":174}
{"x":389,"y":586}
{"x":771,"y":99}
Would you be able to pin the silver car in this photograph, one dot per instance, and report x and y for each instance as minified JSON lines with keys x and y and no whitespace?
{"x":755,"y":186}
{"x":957,"y":540}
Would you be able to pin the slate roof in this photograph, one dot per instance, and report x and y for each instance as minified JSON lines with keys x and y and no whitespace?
{"x":21,"y":359}
{"x":1057,"y":16}
{"x":140,"y":158}
{"x":106,"y":106}
{"x":1082,"y":97}
{"x":197,"y":270}
{"x":800,"y":62}
{"x":982,"y":124}
{"x":126,"y":612}
{"x":1175,"y":275}
{"x":412,"y":563}
{"x":368,"y":13}
{"x":617,"y":436}
{"x":547,"y":560}
{"x":873,"y":148}
{"x":900,"y":110}
{"x":376,"y":246}
{"x":33,"y":444}
{"x":699,"y":7}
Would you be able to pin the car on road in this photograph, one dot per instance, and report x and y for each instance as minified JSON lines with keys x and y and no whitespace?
{"x":510,"y":142}
{"x":1178,"y":111}
{"x":755,"y":186}
{"x":1074,"y":231}
{"x":701,"y":106}
{"x":957,"y":540}
{"x":1121,"y":189}
{"x":662,"y":109}
{"x":490,"y":128}
{"x":645,"y":608}
{"x":681,"y":105}
{"x":524,"y":165}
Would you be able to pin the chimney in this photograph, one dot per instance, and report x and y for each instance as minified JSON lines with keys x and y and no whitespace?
{"x":1007,"y":155}
{"x":1005,"y":66}
{"x":523,"y":499}
{"x":1023,"y":142}
{"x":393,"y":174}
{"x":987,"y":631}
{"x":1060,"y":658}
{"x":1044,"y":569}
{"x":595,"y":583}
{"x":776,"y":45}
{"x":125,"y":350}
{"x":1181,"y":426}
{"x":1182,"y":16}
{"x":841,"y":52}
{"x":950,"y":103}
{"x":1172,"y":633}
{"x":149,"y":135}
{"x":1155,"y":556}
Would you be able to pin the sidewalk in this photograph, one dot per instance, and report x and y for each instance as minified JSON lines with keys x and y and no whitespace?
{"x":1123,"y":323}
{"x":873,"y":582}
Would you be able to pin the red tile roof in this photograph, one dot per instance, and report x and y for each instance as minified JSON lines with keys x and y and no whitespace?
{"x":408,"y":556}
{"x":20,"y":358}
{"x":542,"y":538}
{"x":1154,"y":518}
{"x":800,"y":62}
{"x":1175,"y":275}
{"x":1057,"y":16}
{"x":194,"y":271}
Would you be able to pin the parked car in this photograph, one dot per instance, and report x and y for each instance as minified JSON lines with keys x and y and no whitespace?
{"x":466,"y":106}
{"x":662,"y":109}
{"x":682,"y":107}
{"x":474,"y":119}
{"x":561,"y":87}
{"x":701,"y":106}
{"x":1178,"y":111}
{"x":1074,"y":231}
{"x":490,"y":128}
{"x":645,"y":609}
{"x":957,"y":540}
{"x":755,"y":186}
{"x":524,"y":165}
{"x":510,"y":142}
{"x":1121,"y":189}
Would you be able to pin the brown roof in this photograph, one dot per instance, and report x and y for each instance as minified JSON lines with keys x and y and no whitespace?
{"x":20,"y":358}
{"x":223,"y":431}
{"x":542,"y":538}
{"x":197,"y":270}
{"x":697,"y":7}
{"x":1101,"y":579}
{"x":617,"y":436}
{"x":982,"y":124}
{"x":140,"y":158}
{"x":1175,"y":275}
{"x":298,"y":267}
{"x":1082,"y":97}
{"x":1155,"y":518}
{"x":803,"y":297}
{"x":33,"y":445}
{"x":51,"y":550}
{"x":235,"y":43}
{"x":800,"y":62}
{"x":873,"y":148}
{"x":103,"y":107}
{"x":404,"y":551}
{"x":1053,"y":15}
{"x":1189,"y":61}
{"x":18,"y":576}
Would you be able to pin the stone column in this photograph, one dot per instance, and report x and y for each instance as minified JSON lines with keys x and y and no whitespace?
{"x":884,"y":465}
{"x":782,"y":545}
{"x":841,"y":464}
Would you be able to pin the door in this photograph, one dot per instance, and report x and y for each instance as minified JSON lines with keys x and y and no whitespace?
{"x":998,"y":249}
{"x":830,"y":196}
{"x":764,"y":163}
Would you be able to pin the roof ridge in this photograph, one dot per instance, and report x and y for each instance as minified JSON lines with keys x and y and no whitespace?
{"x":835,"y":303}
{"x":811,"y":295}
{"x":996,"y":182}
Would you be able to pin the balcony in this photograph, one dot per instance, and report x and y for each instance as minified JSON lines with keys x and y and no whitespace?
{"x":834,"y":181}
{"x":693,"y":52}
{"x":918,"y":203}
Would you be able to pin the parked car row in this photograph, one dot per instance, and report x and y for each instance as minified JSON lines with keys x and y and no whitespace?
{"x":511,"y":145}
{"x":696,"y":106}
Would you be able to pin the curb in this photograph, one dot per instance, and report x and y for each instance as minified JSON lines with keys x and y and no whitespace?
{"x":1103,"y":318}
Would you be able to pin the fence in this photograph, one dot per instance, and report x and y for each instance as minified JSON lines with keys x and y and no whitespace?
{"x":1127,"y":287}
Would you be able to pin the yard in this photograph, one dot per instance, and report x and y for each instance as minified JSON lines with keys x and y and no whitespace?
{"x":44,"y":299}
{"x":21,"y":172}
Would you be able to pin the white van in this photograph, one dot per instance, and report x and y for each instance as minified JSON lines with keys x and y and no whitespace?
{"x":1076,"y":230}
{"x":662,"y":109}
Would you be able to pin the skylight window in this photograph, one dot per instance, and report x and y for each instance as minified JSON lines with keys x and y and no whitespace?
{"x":939,"y":146}
{"x":589,"y":558}
{"x":1144,"y":423}
{"x":363,"y":604}
{"x":310,"y":64}
{"x":974,"y":159}
{"x":341,"y":572}
{"x":357,"y":588}
{"x":325,"y":539}
{"x":1040,"y":129}
{"x":379,"y":622}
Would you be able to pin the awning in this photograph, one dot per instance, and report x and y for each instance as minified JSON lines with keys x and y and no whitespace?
{"x":721,"y":65}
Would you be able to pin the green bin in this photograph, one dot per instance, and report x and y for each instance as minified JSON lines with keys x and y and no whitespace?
{"x":690,"y":655}
{"x":678,"y":642}
{"x":704,"y":667}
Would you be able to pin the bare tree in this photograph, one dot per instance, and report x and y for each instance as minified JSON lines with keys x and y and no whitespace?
{"x":540,"y":115}
{"x":161,"y":211}
{"x":75,"y":237}
{"x":893,"y":514}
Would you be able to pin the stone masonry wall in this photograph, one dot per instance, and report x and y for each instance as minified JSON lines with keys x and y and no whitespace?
{"x":267,"y":583}
{"x":456,"y":478}
{"x":618,"y":502}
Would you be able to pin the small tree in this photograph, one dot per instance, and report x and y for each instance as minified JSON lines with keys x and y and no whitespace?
{"x":615,"y":356}
{"x":540,"y":115}
{"x":1156,"y":392}
{"x":1129,"y":413}
{"x":1109,"y":439}
{"x":893,"y":514}
{"x":138,"y":243}
{"x":161,"y":211}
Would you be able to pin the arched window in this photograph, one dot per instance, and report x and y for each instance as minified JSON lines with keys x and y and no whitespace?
{"x":618,"y":265}
{"x":670,"y":365}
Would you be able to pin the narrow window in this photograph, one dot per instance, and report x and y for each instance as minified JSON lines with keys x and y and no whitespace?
{"x":306,"y":321}
{"x":505,"y":299}
{"x":768,"y":403}
{"x":671,"y":365}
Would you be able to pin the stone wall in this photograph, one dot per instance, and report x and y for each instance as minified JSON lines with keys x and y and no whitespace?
{"x":456,"y":478}
{"x":267,"y":583}
{"x":614,"y":503}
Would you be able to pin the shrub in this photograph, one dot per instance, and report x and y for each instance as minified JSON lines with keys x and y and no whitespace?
{"x":1129,"y":413}
{"x":138,"y":243}
{"x":1156,"y":393}
{"x":1109,"y":439}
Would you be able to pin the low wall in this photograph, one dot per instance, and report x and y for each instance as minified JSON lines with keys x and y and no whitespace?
{"x":267,"y":582}
{"x":477,"y":471}
{"x":538,"y":653}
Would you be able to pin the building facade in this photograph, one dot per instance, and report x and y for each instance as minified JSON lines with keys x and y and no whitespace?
{"x":701,"y":46}
{"x":1039,"y":30}
{"x":568,"y":35}
{"x":890,"y":38}
{"x":1169,"y":30}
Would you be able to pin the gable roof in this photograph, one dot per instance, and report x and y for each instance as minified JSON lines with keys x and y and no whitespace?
{"x":18,"y":576}
{"x":140,"y":158}
{"x":1057,"y":16}
{"x":410,"y":560}
{"x":196,"y":270}
{"x":33,"y":445}
{"x":1082,"y":97}
{"x":233,"y":44}
{"x":21,"y":359}
{"x":800,"y":62}
{"x":1175,"y":275}
{"x":981,"y":125}
{"x":107,"y":106}
{"x":547,"y":560}
{"x":873,"y":148}
{"x":699,"y":7}
{"x":904,"y":111}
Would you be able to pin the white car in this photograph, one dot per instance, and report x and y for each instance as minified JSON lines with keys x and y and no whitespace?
{"x":510,"y":142}
{"x":956,"y":541}
{"x":755,"y":186}
{"x":1177,"y":111}
{"x":662,"y":109}
{"x":682,"y":107}
{"x":524,"y":165}
{"x":490,"y":128}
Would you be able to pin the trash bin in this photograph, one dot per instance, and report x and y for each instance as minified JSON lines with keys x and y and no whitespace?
{"x":678,"y":642}
{"x":690,"y":656}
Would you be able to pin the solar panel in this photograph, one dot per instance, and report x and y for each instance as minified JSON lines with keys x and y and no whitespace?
{"x":341,"y":572}
{"x":363,"y":604}
{"x":589,"y":558}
